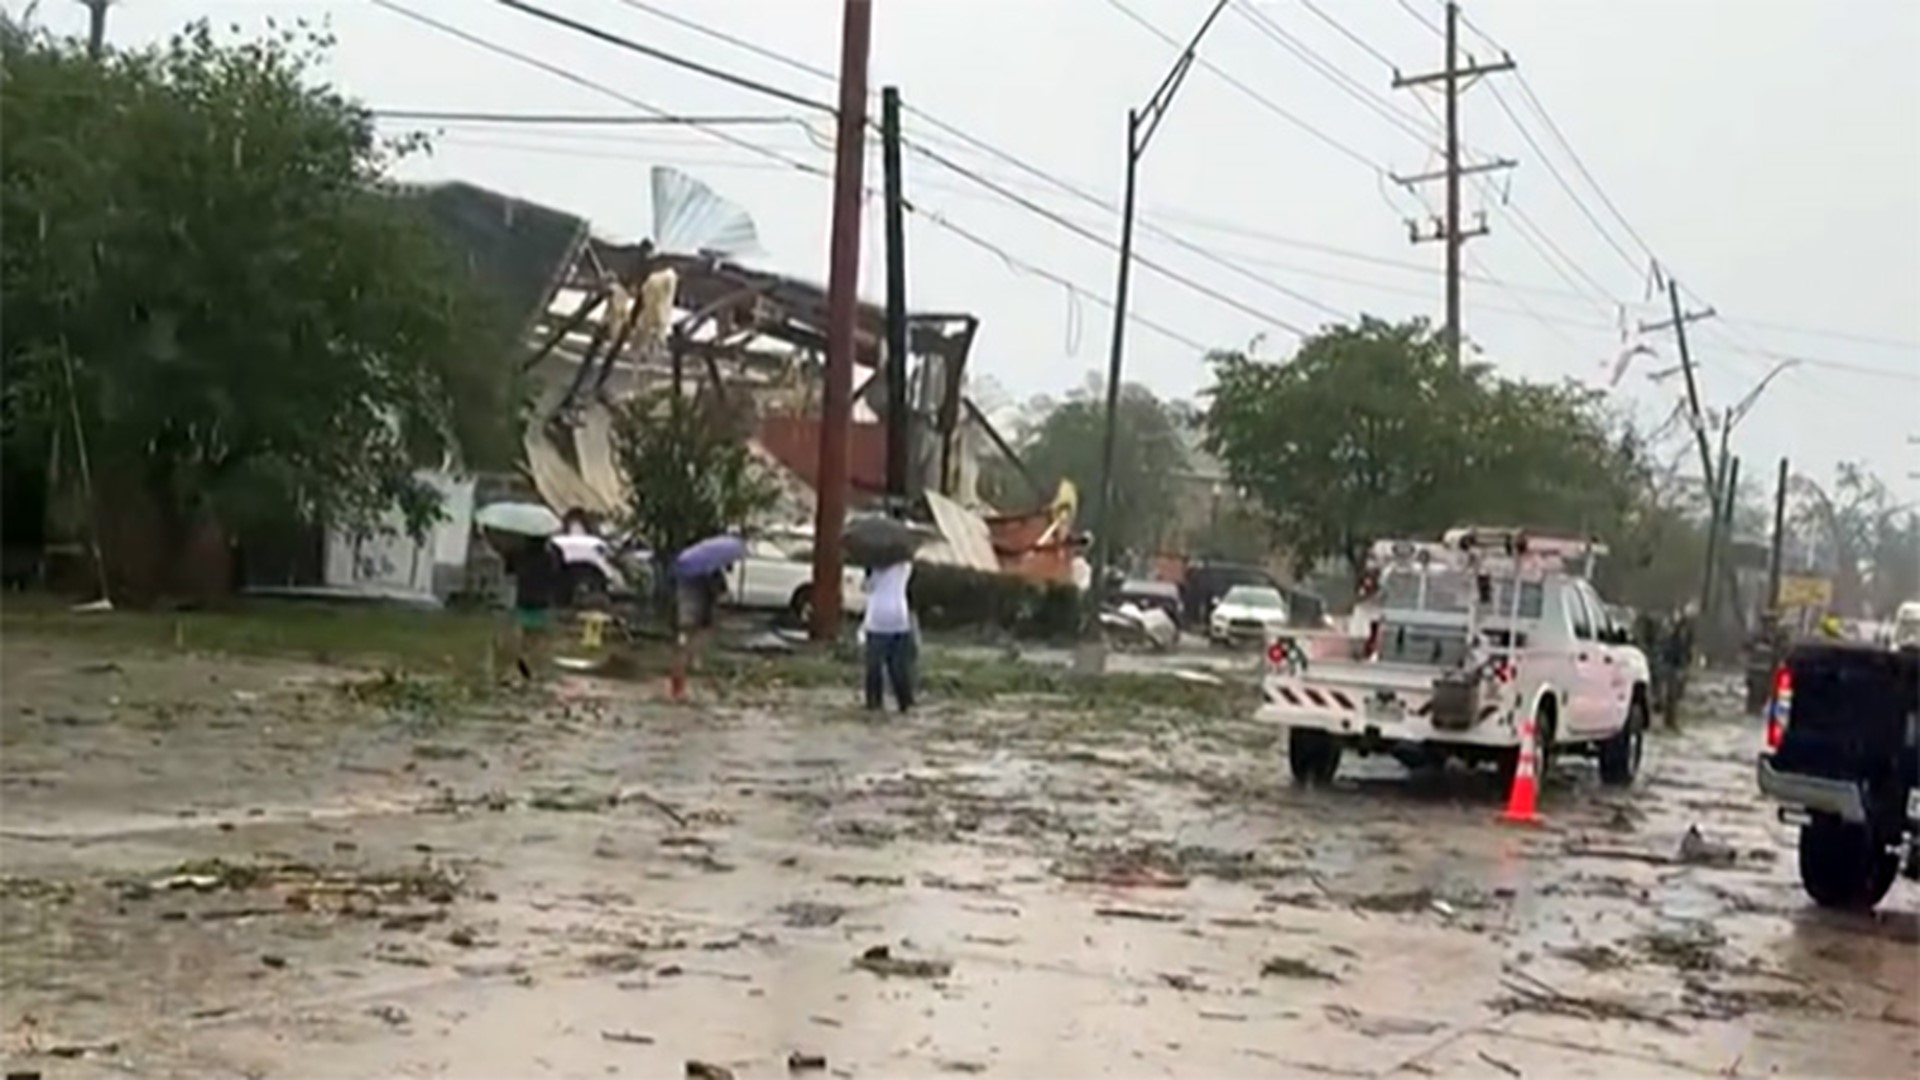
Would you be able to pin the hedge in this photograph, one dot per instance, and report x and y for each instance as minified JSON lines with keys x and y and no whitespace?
{"x":957,"y":598}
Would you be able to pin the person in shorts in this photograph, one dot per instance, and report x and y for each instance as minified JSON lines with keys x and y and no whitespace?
{"x":539,"y":575}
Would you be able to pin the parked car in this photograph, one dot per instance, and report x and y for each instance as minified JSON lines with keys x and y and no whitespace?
{"x":1248,"y":614}
{"x":777,"y":576}
{"x":1207,"y":582}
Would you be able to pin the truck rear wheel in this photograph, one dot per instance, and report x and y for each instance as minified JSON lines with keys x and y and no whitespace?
{"x":1313,"y":755}
{"x":1844,"y":866}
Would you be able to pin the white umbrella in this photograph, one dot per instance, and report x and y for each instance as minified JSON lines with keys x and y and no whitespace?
{"x":519,"y":518}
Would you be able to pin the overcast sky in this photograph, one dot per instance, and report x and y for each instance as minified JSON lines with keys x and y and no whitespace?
{"x":1768,"y":151}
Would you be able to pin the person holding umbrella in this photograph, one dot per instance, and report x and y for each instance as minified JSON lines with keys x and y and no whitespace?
{"x":892,"y":649}
{"x":886,"y":548}
{"x":699,"y":574}
{"x":523,"y":535}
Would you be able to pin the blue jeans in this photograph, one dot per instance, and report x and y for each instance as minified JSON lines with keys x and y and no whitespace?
{"x":890,"y":659}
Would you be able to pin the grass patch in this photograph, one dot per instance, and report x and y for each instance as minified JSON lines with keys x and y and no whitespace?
{"x":447,"y":643}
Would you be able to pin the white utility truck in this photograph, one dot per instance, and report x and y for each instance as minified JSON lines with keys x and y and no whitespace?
{"x":1466,"y":637}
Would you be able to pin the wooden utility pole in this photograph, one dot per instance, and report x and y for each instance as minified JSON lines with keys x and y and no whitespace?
{"x":899,"y":430}
{"x":1678,"y":323}
{"x":1779,"y":539}
{"x":1454,"y":79}
{"x":843,"y":285}
{"x":97,"y":27}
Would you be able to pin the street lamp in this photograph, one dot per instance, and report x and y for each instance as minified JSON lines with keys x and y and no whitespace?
{"x":1141,"y":124}
{"x":1731,"y":418}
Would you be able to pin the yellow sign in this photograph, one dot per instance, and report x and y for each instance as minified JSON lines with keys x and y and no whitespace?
{"x":1805,"y":592}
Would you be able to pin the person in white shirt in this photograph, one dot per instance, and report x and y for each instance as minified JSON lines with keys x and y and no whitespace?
{"x":888,"y":626}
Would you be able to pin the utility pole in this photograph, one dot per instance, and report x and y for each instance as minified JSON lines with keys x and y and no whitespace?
{"x":898,"y":428}
{"x":1779,"y":539}
{"x":1679,"y":323}
{"x":843,"y":285}
{"x":96,"y":27}
{"x":1455,"y":79}
{"x":1141,"y":124}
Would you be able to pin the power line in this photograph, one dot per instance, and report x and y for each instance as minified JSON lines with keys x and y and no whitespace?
{"x":580,"y":80}
{"x":798,"y":166}
{"x":1539,"y":109}
{"x":1256,"y":96}
{"x":1422,"y":19}
{"x":1356,"y":39}
{"x":1554,"y":171}
{"x":1012,"y":196}
{"x":1081,"y":231}
{"x":456,"y":116}
{"x":1273,"y":32}
{"x":665,"y":57}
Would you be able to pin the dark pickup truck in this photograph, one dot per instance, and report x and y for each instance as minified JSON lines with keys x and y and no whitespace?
{"x":1843,"y":760}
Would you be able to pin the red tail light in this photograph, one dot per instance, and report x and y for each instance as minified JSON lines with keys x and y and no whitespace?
{"x":1780,"y":708}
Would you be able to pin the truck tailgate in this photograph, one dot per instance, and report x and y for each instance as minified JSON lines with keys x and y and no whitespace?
{"x":1852,"y":711}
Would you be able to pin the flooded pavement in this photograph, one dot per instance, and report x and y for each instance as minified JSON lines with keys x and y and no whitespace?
{"x":221,"y":868}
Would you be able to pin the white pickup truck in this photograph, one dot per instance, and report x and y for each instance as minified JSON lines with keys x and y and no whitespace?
{"x":777,"y":575}
{"x":1468,"y":636}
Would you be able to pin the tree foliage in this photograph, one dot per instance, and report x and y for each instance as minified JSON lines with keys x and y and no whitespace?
{"x":1064,"y":442}
{"x":1853,"y":530}
{"x":688,"y":467}
{"x":1368,"y":431}
{"x":200,"y":253}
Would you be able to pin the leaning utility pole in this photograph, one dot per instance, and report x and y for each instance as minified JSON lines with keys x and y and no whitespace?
{"x":1455,"y":79}
{"x":1698,"y":422}
{"x":843,"y":286}
{"x":96,"y":27}
{"x":897,"y":419}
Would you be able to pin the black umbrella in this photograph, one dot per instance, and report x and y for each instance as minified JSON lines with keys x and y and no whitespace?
{"x":881,"y":541}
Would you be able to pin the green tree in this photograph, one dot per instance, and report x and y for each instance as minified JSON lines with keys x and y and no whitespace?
{"x":689,"y":470}
{"x":1368,"y":431}
{"x":1149,"y":458}
{"x":202,"y":263}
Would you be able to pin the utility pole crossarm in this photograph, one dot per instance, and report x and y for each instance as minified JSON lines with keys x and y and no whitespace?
{"x":1474,"y":71}
{"x":1679,"y":319}
{"x":1495,"y":165}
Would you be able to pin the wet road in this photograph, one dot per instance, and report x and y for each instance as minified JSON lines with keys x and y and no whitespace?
{"x":218,"y":868}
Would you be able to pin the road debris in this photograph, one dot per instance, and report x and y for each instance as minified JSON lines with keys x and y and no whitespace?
{"x":1140,"y":914}
{"x":880,"y":960}
{"x":701,"y":1070}
{"x":800,"y":1061}
{"x":1287,"y":967}
{"x":632,"y":1037}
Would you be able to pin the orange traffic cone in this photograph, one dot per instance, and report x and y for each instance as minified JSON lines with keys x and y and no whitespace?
{"x":1523,"y":802}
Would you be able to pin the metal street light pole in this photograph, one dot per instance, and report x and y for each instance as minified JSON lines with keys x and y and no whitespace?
{"x":1721,"y":499}
{"x":1141,"y":124}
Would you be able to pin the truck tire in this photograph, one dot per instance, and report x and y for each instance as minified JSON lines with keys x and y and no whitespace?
{"x":1314,"y":756}
{"x":1620,"y":756}
{"x":800,"y":606}
{"x":1546,"y":725}
{"x":1843,"y":866}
